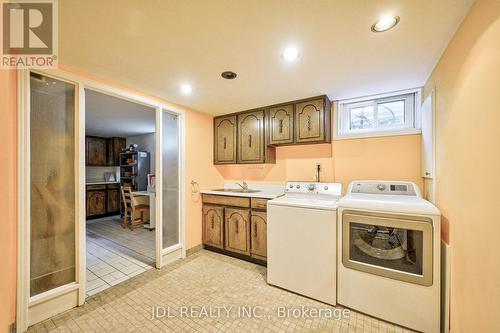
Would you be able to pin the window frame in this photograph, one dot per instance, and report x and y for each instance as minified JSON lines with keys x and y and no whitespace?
{"x":412,"y":98}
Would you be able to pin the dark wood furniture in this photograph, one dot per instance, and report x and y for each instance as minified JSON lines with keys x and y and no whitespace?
{"x":103,"y":151}
{"x":249,"y":137}
{"x":102,"y":200}
{"x":235,"y":226}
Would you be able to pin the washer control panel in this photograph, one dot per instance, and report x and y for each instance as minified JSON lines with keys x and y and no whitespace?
{"x":314,"y":188}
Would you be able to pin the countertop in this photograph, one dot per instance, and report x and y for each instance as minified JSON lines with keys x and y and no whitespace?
{"x":266,"y":191}
{"x":101,"y":182}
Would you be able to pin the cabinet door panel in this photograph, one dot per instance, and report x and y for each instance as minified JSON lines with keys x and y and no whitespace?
{"x":96,"y":202}
{"x":225,"y":140}
{"x":113,"y":198}
{"x":281,"y":124}
{"x":310,"y":121}
{"x":237,"y":230}
{"x":95,"y":151}
{"x":258,"y":237}
{"x":213,"y":226}
{"x":251,"y":137}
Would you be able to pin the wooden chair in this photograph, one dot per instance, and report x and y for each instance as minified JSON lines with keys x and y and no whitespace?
{"x":131,"y":209}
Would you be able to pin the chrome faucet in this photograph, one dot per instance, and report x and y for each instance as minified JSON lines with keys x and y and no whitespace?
{"x":243,"y":185}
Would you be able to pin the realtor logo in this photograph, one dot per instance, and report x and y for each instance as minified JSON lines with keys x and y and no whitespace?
{"x":29,"y":34}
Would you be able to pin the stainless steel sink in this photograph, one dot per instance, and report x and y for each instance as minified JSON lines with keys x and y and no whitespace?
{"x":235,"y":190}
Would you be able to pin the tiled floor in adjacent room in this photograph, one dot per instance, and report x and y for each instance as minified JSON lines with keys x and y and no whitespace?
{"x":204,"y":279}
{"x":115,"y":254}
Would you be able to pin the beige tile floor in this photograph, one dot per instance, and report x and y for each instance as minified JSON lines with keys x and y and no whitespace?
{"x":205,"y":279}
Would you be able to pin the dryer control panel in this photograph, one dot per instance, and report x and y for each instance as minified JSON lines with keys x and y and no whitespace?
{"x":384,"y":187}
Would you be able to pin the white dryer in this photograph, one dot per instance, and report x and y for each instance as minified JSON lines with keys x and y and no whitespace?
{"x":389,"y":254}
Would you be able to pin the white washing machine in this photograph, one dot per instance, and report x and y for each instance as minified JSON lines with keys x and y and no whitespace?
{"x":389,"y":254}
{"x":301,"y":239}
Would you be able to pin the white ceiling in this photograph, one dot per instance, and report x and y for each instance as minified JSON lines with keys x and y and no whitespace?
{"x":155,"y":46}
{"x":108,"y":116}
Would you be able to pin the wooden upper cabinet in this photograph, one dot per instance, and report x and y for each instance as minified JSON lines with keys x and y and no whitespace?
{"x":225,"y":140}
{"x":281,"y":125}
{"x":95,"y":151}
{"x":258,"y":235}
{"x":312,"y":121}
{"x":115,"y":148}
{"x":213,"y":221}
{"x":237,"y":230}
{"x":251,"y":145}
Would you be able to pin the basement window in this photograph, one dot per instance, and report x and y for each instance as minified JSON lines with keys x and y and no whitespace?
{"x":381,"y":115}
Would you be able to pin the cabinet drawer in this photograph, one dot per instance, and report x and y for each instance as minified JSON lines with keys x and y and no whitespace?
{"x":226,"y":200}
{"x":113,"y":186}
{"x":96,"y":187}
{"x":259,"y":203}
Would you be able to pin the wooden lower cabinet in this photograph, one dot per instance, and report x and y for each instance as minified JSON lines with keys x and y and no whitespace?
{"x":213,"y":220}
{"x":113,"y":199}
{"x":258,"y":235}
{"x":229,"y":224}
{"x":237,"y":230}
{"x":96,"y":202}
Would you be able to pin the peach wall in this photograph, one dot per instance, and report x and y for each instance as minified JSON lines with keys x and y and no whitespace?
{"x":8,"y":172}
{"x":395,"y":157}
{"x":467,"y":81}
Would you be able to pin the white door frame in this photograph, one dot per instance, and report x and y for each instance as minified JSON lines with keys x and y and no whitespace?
{"x":67,"y":296}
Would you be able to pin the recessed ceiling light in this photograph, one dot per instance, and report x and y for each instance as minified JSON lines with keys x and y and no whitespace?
{"x":228,"y":75}
{"x":186,"y":89}
{"x":290,"y":54}
{"x":385,"y":23}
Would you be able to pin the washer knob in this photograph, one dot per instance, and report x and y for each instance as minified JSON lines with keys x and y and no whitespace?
{"x":298,"y":186}
{"x":326,"y":188}
{"x":291,"y":186}
{"x":381,"y":187}
{"x":311,"y":187}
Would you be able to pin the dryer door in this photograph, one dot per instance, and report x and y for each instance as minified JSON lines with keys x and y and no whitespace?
{"x":397,"y":247}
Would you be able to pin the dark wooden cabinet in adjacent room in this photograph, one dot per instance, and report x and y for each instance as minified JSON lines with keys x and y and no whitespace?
{"x":96,"y":200}
{"x":103,"y":199}
{"x":113,"y":198}
{"x":103,"y":151}
{"x":95,"y":151}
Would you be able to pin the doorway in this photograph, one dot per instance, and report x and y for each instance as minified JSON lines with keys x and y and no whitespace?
{"x":119,"y":180}
{"x":52,"y":224}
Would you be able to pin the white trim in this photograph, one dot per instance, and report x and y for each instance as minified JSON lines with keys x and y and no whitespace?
{"x":158,"y":189}
{"x":53,"y":293}
{"x":414,"y":117}
{"x":81,"y":236}
{"x":23,"y":223}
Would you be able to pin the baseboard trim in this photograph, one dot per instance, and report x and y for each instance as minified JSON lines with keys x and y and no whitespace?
{"x":194,"y":249}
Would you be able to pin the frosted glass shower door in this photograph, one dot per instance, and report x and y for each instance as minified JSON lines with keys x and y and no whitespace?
{"x":167,"y":180}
